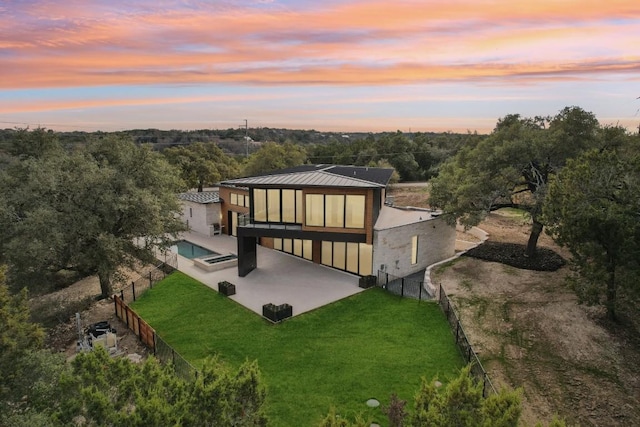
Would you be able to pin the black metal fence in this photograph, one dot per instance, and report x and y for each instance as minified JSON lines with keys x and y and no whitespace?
{"x":410,"y":287}
{"x":159,"y":272}
{"x":166,"y":354}
{"x":463,"y":343}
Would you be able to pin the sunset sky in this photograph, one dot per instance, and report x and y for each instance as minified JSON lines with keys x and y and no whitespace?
{"x":350,"y":65}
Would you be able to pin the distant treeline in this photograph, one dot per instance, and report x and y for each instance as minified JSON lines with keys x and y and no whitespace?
{"x":415,"y":156}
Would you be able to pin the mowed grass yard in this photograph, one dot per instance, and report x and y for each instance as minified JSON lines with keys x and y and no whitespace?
{"x":366,"y":346}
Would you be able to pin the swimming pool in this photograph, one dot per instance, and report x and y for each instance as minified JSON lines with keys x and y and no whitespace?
{"x":191,"y":250}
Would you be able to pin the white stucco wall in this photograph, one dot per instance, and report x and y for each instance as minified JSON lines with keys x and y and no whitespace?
{"x":200,"y":216}
{"x":392,"y":246}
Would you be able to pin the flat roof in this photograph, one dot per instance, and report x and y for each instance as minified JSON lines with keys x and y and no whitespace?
{"x":391,"y":217}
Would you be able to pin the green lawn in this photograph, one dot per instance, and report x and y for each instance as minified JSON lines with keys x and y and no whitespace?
{"x":368,"y":345}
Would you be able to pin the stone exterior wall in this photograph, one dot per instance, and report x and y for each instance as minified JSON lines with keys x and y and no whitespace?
{"x":392,"y":246}
{"x":200,"y":216}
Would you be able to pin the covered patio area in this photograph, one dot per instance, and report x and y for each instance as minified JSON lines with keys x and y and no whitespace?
{"x":278,"y":279}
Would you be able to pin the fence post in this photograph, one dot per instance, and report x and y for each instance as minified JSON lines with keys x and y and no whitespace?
{"x":386,"y":280}
{"x":470,"y":350}
{"x":149,"y":279}
{"x":155,"y":344}
{"x":126,"y":313}
{"x":402,"y":288}
{"x":420,"y":291}
{"x":133,"y":289}
{"x":457,"y":330}
{"x":484,"y":383}
{"x":122,"y":294}
{"x":115,"y":304}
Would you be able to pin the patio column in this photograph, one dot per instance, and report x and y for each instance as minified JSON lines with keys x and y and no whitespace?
{"x":247,"y":253}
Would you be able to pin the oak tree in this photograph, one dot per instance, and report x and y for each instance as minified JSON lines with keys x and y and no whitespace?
{"x":512,"y":167}
{"x":593,"y":208}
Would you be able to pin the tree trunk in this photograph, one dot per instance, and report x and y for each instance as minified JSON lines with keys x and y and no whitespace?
{"x":532,"y":244}
{"x":105,"y":284}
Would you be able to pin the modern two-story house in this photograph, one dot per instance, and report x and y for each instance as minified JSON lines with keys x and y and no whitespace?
{"x":331,"y":215}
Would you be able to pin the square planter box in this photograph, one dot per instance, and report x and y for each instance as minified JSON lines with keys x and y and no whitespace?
{"x":277,"y":313}
{"x":226,"y":288}
{"x":366,"y":282}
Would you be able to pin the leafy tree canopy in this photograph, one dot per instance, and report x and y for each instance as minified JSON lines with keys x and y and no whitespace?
{"x":593,"y":208}
{"x":202,"y":164}
{"x":93,"y":210}
{"x":272,"y":156}
{"x":512,"y":167}
{"x":28,"y":374}
{"x":107,"y":391}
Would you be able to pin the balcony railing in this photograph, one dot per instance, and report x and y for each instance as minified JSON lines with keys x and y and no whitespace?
{"x":248,"y":222}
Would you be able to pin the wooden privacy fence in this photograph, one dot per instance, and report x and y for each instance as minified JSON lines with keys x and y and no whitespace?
{"x":161,"y":350}
{"x":135,"y":323}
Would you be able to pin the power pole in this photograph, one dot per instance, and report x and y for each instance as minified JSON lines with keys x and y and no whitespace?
{"x":246,"y":137}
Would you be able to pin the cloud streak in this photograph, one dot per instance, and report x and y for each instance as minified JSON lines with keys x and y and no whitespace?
{"x":89,"y":43}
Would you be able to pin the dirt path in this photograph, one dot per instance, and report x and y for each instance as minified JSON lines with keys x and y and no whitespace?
{"x":531,"y":333}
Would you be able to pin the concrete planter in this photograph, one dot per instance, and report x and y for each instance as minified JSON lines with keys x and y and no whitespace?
{"x":277,"y":313}
{"x":226,"y":288}
{"x":366,"y":282}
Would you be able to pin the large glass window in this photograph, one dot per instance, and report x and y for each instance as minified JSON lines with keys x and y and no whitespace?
{"x":339,"y":255}
{"x":286,"y":245}
{"x":354,"y":211}
{"x":297,"y":247}
{"x":288,"y":206}
{"x":327,"y":253}
{"x":352,"y":257}
{"x":234,"y":198}
{"x":299,"y":215}
{"x":366,"y":259}
{"x":260,"y":204}
{"x":334,"y":210}
{"x":273,"y":205}
{"x":234,"y":223}
{"x":307,"y":249}
{"x":315,"y":210}
{"x":414,"y":250}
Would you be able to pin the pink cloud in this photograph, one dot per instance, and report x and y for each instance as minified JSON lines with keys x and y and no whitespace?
{"x":83,"y":43}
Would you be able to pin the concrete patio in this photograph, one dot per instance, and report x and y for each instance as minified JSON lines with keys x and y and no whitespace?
{"x":279,"y":278}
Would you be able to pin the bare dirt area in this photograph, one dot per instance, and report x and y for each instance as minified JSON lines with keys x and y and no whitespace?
{"x":413,"y":194}
{"x":82,"y":296}
{"x":530,"y":332}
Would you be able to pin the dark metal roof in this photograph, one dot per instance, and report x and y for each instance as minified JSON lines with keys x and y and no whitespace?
{"x":320,"y":176}
{"x":203,"y":197}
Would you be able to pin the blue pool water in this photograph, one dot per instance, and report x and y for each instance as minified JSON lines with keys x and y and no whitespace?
{"x":191,"y":250}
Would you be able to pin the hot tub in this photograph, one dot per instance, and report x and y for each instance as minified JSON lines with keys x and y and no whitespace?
{"x":216,"y":262}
